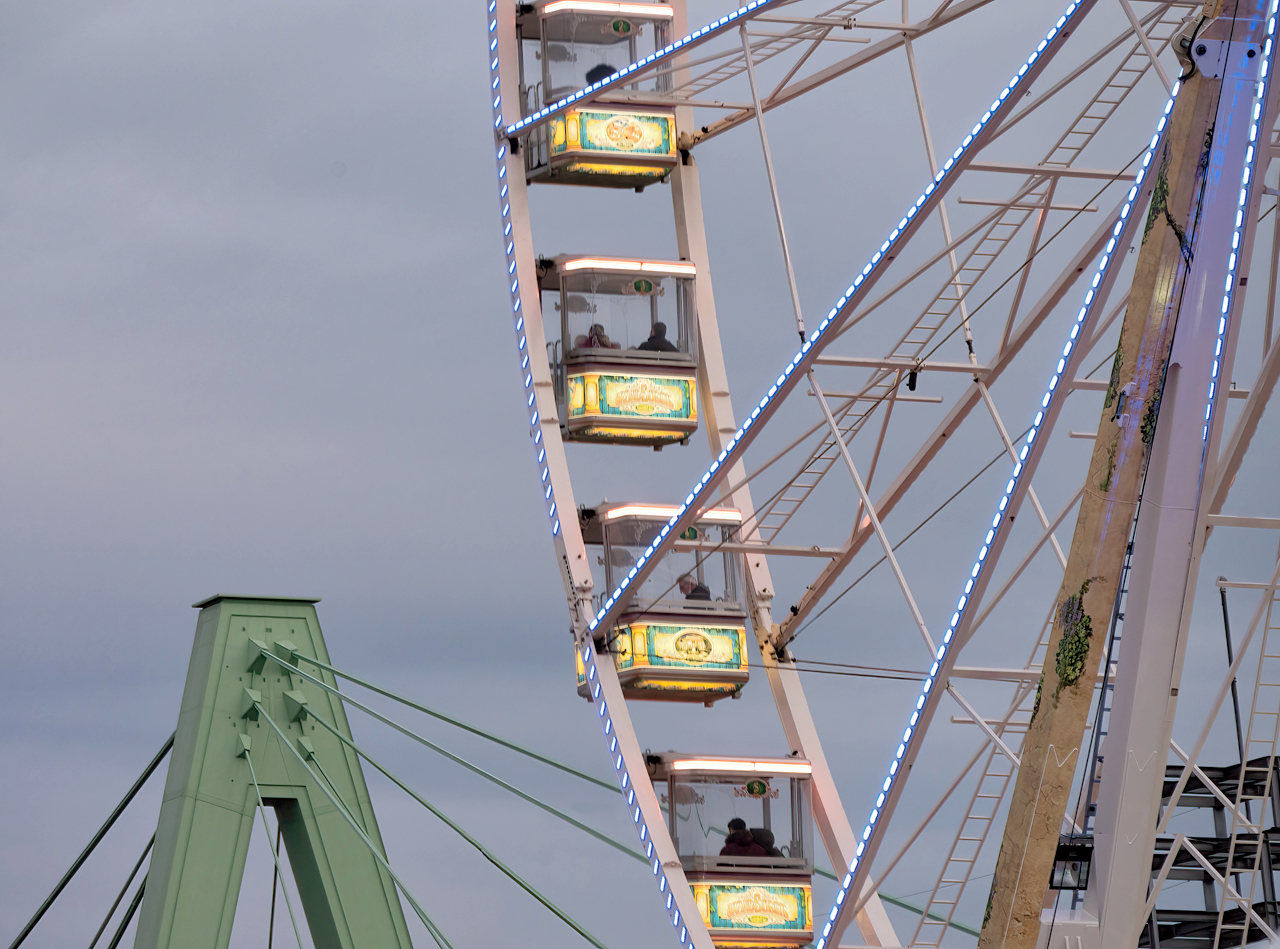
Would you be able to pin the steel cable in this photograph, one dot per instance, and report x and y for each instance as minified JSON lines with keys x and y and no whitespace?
{"x":485,"y":852}
{"x":97,"y":839}
{"x":124,"y":889}
{"x":275,"y":852}
{"x":409,"y":733}
{"x":427,"y":921}
{"x":457,"y":828}
{"x":488,"y":736}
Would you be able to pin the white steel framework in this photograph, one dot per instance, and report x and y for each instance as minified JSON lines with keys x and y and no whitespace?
{"x":988,"y":293}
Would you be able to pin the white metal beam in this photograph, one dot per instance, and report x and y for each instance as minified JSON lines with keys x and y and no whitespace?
{"x":1048,"y":171}
{"x":823,"y":76}
{"x":906,"y":365}
{"x":1221,"y":520}
{"x":982,"y":724}
{"x":784,"y":680}
{"x":619,"y":737}
{"x":871,"y":515}
{"x":941,"y":435}
{"x":1146,"y":46}
{"x":1169,"y":538}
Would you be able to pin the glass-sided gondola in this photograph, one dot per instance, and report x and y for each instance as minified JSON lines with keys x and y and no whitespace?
{"x":683,"y":637}
{"x":744,"y":831}
{"x":625,"y":363}
{"x":620,"y":141}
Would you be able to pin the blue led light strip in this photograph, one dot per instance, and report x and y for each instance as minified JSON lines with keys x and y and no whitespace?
{"x":830,"y":325}
{"x":679,"y":926}
{"x":522,"y":340}
{"x":588,"y":655}
{"x":693,"y":39}
{"x":1237,"y":234}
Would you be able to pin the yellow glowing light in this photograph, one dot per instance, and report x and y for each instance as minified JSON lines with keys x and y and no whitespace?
{"x":646,"y":10}
{"x":668,"y":511}
{"x":619,"y":169}
{"x":740,"y":766}
{"x":682,"y":268}
{"x":648,"y":435}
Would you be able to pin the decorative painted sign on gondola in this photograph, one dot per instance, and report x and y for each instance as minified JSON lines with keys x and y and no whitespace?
{"x":752,"y":907}
{"x":756,"y":789}
{"x":692,"y":660}
{"x":685,"y":646}
{"x":635,"y":133}
{"x":613,"y":397}
{"x":592,"y":146}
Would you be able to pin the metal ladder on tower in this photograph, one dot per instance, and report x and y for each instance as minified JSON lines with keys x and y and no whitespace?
{"x":972,"y":265}
{"x":1257,"y":770}
{"x":994,"y":784}
{"x":1105,"y":699}
{"x":980,"y":814}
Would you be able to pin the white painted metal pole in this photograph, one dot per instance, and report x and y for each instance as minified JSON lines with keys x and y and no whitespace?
{"x":875,"y":519}
{"x":942,"y":434}
{"x":773,"y":182}
{"x":1169,"y":538}
{"x":1146,"y":46}
{"x":982,"y":724}
{"x":797,"y":721}
{"x":1013,"y":455}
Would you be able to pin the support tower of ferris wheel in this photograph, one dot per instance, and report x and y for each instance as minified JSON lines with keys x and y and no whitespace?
{"x":672,"y":599}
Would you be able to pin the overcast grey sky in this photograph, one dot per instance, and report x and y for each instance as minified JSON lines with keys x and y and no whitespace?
{"x":254,"y":340}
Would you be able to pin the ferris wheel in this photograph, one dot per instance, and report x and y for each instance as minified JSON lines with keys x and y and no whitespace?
{"x":1100,"y":213}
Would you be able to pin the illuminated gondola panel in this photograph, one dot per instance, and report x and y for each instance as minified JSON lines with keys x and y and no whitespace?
{"x":744,"y":831}
{"x":567,"y":45}
{"x":625,"y":365}
{"x":683,"y":638}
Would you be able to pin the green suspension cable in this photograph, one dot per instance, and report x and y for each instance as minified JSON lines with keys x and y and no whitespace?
{"x":465,"y":763}
{"x":435,"y":930}
{"x":485,"y":852}
{"x":489,"y":736}
{"x":275,"y":854}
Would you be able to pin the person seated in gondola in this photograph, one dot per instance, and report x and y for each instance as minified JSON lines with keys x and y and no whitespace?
{"x":764,"y":838}
{"x":657,"y":341}
{"x":598,"y":72}
{"x":693,"y":590}
{"x":740,"y":842}
{"x":595,"y":338}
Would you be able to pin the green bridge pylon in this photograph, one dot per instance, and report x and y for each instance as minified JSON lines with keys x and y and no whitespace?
{"x":208,"y":812}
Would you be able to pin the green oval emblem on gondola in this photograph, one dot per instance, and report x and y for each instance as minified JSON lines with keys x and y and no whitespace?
{"x":693,"y":646}
{"x":643,"y":286}
{"x":689,"y":533}
{"x":620,"y":27}
{"x":757,"y":788}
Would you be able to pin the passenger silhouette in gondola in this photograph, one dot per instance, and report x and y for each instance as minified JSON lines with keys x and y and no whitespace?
{"x":657,"y":341}
{"x":598,"y":72}
{"x":693,"y":590}
{"x":765,"y":839}
{"x":595,"y":338}
{"x":740,"y":843}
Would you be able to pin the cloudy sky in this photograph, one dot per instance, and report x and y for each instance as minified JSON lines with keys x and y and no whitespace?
{"x":254,"y":340}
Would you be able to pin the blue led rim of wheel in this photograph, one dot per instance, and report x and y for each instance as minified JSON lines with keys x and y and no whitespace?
{"x":669,"y":50}
{"x":997,"y":521}
{"x":1237,"y":234}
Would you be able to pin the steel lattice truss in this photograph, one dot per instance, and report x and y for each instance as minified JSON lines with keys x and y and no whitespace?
{"x":963,"y":296}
